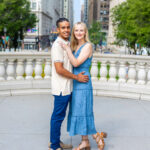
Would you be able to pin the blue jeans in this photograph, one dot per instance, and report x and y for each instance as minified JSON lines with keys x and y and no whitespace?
{"x":59,"y":112}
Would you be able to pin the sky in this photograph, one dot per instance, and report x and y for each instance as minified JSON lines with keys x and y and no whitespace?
{"x":77,"y":10}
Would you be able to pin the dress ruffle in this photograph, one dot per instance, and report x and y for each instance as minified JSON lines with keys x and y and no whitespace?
{"x":81,"y":125}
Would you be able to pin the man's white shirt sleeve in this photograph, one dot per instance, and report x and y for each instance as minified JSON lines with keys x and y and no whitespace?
{"x":58,"y":53}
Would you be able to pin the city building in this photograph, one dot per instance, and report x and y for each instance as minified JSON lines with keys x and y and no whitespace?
{"x":99,"y":11}
{"x":82,"y":12}
{"x":93,"y":11}
{"x":85,"y":20}
{"x":103,"y":16}
{"x":47,"y":12}
{"x":68,"y":10}
{"x":111,"y":37}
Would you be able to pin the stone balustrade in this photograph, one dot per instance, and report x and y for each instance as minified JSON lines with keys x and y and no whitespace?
{"x":113,"y":75}
{"x":126,"y":76}
{"x":25,"y":72}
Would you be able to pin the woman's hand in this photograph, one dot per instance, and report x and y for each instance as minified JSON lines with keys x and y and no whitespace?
{"x":65,"y":46}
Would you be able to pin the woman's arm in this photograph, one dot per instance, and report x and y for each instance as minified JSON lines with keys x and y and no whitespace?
{"x":84,"y":54}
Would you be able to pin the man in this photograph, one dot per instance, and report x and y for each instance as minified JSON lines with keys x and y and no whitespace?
{"x":61,"y":83}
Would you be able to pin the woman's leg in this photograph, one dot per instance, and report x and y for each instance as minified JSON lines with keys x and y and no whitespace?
{"x":84,"y":137}
{"x":85,"y":144}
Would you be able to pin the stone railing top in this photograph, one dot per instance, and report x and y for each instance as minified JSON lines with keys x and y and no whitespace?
{"x":120,"y":57}
{"x":25,"y":55}
{"x":96,"y":56}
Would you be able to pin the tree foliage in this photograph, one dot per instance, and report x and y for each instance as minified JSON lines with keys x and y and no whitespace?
{"x":131,"y":20}
{"x":95,"y":33}
{"x":16,"y":16}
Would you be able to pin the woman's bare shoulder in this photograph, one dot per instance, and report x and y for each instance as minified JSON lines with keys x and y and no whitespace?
{"x":88,"y":45}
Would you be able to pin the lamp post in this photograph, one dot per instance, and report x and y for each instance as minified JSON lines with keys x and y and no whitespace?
{"x":125,"y":44}
{"x":37,"y":42}
{"x":37,"y":39}
{"x":5,"y":31}
{"x":18,"y":40}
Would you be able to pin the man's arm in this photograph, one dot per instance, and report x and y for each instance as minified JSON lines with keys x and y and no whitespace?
{"x":62,"y":71}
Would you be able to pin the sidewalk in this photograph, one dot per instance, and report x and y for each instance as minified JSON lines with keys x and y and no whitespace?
{"x":24,"y":123}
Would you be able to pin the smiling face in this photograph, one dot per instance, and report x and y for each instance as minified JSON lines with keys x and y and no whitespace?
{"x":64,"y":30}
{"x":79,"y":32}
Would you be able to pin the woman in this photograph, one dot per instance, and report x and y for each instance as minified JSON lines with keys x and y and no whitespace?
{"x":80,"y":118}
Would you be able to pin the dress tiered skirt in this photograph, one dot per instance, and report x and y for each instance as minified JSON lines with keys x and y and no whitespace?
{"x":80,"y":117}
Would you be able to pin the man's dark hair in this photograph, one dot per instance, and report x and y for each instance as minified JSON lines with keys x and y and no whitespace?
{"x":61,"y":20}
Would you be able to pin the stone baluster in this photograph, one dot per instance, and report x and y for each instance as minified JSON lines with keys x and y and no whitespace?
{"x":2,"y":70}
{"x":103,"y":71}
{"x":20,"y":69}
{"x":29,"y":69}
{"x":38,"y":69}
{"x":148,"y":74}
{"x":94,"y":70}
{"x":141,"y":76}
{"x":10,"y":70}
{"x":112,"y":71}
{"x":47,"y":69}
{"x":122,"y":72}
{"x":131,"y":73}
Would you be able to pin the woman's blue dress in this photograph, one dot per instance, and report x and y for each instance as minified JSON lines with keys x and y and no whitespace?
{"x":80,"y":117}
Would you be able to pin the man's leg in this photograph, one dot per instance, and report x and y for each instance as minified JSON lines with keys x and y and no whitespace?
{"x":59,"y":112}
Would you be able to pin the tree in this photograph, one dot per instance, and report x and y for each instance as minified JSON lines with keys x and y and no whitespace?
{"x":16,"y":16}
{"x":131,"y":21}
{"x":95,"y":33}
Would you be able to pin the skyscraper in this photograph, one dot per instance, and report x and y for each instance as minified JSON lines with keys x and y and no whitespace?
{"x":68,"y":10}
{"x":99,"y":11}
{"x":103,"y":14}
{"x":82,"y":13}
{"x":47,"y":12}
{"x":92,"y":11}
{"x":86,"y":12}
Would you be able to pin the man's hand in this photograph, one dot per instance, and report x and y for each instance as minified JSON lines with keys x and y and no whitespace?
{"x":82,"y":78}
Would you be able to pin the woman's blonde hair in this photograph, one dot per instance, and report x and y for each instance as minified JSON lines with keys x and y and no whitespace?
{"x":74,"y":41}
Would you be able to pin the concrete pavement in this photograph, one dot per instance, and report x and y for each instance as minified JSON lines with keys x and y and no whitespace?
{"x":24,"y":123}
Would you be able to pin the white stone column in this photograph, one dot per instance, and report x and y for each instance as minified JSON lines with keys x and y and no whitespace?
{"x":29,"y":69}
{"x":47,"y":69}
{"x":20,"y":69}
{"x":141,"y":76}
{"x":103,"y":71}
{"x":2,"y":70}
{"x":10,"y":70}
{"x":131,"y":73}
{"x":122,"y":72}
{"x":94,"y":70}
{"x":148,"y":74}
{"x":38,"y":69}
{"x":112,"y":72}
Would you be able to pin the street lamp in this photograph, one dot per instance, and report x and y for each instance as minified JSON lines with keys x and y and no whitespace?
{"x":37,"y":38}
{"x":37,"y":42}
{"x":18,"y":40}
{"x":125,"y":44}
{"x":5,"y":31}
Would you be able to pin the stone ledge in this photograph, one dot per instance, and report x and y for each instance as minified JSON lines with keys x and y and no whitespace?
{"x":119,"y":90}
{"x":30,"y":92}
{"x":118,"y":94}
{"x":25,"y":84}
